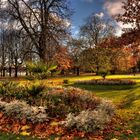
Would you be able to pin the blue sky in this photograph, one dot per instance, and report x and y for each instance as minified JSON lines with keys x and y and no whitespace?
{"x":83,"y":8}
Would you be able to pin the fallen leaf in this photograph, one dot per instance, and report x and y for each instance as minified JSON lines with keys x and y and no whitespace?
{"x":26,"y":127}
{"x":117,"y":133}
{"x":1,"y":115}
{"x":129,"y":132}
{"x":54,"y":123}
{"x":24,"y":133}
{"x":114,"y":139}
{"x":23,"y":121}
{"x":57,"y":138}
{"x":135,"y":139}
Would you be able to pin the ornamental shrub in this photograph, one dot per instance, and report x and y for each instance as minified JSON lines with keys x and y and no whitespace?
{"x":39,"y":70}
{"x":20,"y":109}
{"x":61,"y":101}
{"x":90,"y":120}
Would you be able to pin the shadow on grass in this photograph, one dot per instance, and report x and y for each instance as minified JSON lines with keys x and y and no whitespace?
{"x":104,"y":87}
{"x":131,"y":100}
{"x":115,"y":93}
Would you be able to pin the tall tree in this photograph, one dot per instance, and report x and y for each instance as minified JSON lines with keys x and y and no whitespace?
{"x":44,"y":21}
{"x":95,"y":29}
{"x":96,"y":59}
{"x":131,"y":13}
{"x":3,"y":50}
{"x":76,"y":47}
{"x":18,"y":48}
{"x":131,"y":35}
{"x":130,"y":16}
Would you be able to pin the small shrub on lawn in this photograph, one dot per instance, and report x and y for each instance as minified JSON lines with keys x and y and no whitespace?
{"x":66,"y":81}
{"x":107,"y":107}
{"x":103,"y":73}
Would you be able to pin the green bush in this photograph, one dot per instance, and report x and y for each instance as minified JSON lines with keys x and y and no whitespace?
{"x":36,"y":90}
{"x":11,"y":90}
{"x":7,"y":88}
{"x":39,"y":70}
{"x":31,"y":93}
{"x":66,"y":81}
{"x":103,"y":73}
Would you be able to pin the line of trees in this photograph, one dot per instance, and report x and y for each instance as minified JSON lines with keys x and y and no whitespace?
{"x":32,"y":29}
{"x":39,"y":30}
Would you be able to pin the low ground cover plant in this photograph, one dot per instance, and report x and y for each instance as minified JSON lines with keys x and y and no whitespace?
{"x":107,"y":82}
{"x":20,"y":110}
{"x":91,"y":120}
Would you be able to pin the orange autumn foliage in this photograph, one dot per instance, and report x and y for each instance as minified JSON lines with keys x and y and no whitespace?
{"x":63,"y":58}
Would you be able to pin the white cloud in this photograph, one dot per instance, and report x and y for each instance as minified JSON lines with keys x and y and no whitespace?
{"x":75,"y":33}
{"x":73,"y":27}
{"x":67,"y":23}
{"x":121,"y":26}
{"x":114,"y":7}
{"x":118,"y":31}
{"x":100,"y":15}
{"x":125,"y":25}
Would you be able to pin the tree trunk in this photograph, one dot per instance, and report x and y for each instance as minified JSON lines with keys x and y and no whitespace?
{"x":3,"y":72}
{"x":27,"y":72}
{"x":62,"y":72}
{"x":16,"y":67}
{"x":74,"y":70}
{"x":97,"y":70}
{"x":42,"y":47}
{"x":42,"y":56}
{"x":10,"y":71}
{"x":16,"y":71}
{"x":78,"y":71}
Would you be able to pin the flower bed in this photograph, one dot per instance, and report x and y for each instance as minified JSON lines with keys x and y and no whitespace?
{"x":73,"y":108}
{"x":107,"y":82}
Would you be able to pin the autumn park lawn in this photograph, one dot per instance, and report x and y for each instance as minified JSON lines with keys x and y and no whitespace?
{"x":128,"y":100}
{"x":125,"y":97}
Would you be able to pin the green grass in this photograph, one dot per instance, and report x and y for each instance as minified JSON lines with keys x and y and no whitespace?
{"x":8,"y":136}
{"x":4,"y":136}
